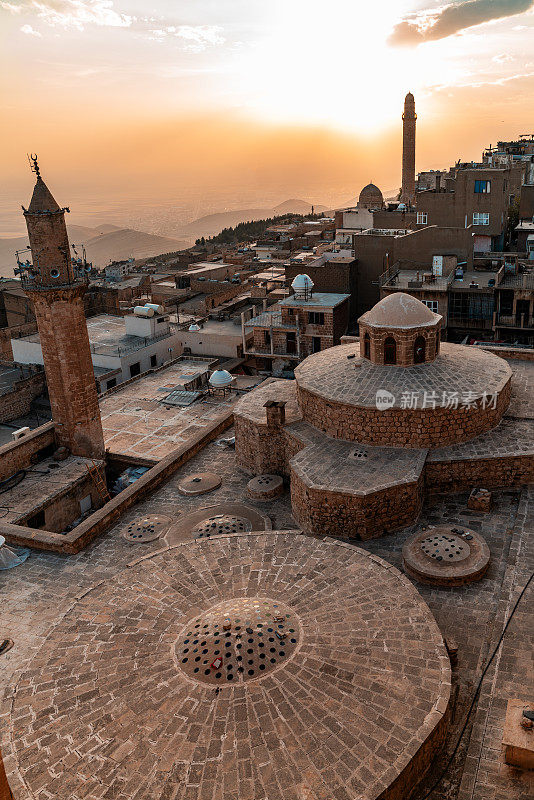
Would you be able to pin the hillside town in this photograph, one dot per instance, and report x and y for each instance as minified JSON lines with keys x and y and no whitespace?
{"x":266,"y":525}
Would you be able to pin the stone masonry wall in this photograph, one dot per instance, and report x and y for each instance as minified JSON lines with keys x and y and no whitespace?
{"x":17,"y":403}
{"x":348,"y":516}
{"x":401,"y":427}
{"x":490,"y":473}
{"x":404,"y":340}
{"x":24,"y":452}
{"x":6,"y":334}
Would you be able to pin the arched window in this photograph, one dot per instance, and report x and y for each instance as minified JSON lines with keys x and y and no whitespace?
{"x":367,"y":346}
{"x":390,"y":351}
{"x":419,"y":350}
{"x":437,"y":342}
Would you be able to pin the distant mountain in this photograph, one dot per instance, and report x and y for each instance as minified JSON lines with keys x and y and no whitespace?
{"x":128,"y":243}
{"x":212,"y":224}
{"x":103,"y":244}
{"x":297,"y":207}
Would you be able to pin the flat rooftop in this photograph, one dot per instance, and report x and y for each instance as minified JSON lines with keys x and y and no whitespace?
{"x":319,"y":299}
{"x":107,"y":336}
{"x":9,"y":376}
{"x":406,"y":278}
{"x":482,"y":278}
{"x":137,"y":422}
{"x":43,"y":483}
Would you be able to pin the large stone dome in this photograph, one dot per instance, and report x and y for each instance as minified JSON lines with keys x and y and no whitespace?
{"x":400,"y":310}
{"x":371,"y":197}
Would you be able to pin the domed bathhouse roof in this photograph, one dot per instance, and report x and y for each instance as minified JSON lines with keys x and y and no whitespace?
{"x":371,"y":197}
{"x":220,"y":379}
{"x":400,"y":310}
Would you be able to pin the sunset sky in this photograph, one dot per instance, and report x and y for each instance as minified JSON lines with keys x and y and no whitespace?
{"x":290,"y":97}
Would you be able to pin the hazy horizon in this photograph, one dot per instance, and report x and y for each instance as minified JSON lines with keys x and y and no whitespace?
{"x":215,"y":105}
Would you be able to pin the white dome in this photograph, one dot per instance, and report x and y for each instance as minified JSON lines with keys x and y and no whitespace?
{"x":194,"y":327}
{"x":220,"y":379}
{"x":302,"y":285}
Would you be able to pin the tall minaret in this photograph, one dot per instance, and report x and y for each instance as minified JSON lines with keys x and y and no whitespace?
{"x":56,"y":285}
{"x":408,"y":150}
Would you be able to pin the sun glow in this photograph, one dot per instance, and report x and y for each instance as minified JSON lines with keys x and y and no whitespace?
{"x":330,"y":63}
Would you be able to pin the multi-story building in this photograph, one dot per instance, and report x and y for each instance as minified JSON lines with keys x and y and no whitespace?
{"x":125,"y":346}
{"x":479,"y":197}
{"x":331,"y":273}
{"x":304,"y":323}
{"x":494,"y":300}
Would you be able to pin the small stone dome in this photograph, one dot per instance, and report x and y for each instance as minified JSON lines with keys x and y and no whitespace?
{"x":220,"y":379}
{"x":302,"y":286}
{"x":371,"y":197}
{"x":400,"y":331}
{"x":400,"y":310}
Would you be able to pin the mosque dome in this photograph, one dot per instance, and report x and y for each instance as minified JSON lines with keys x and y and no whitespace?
{"x":371,"y":197}
{"x":220,"y":379}
{"x":400,"y":310}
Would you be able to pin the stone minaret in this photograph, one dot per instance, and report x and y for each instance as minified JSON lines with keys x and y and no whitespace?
{"x":408,"y":150}
{"x":56,"y":287}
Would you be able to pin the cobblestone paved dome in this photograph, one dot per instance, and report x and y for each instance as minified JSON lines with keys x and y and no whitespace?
{"x":356,"y":710}
{"x":461,"y":394}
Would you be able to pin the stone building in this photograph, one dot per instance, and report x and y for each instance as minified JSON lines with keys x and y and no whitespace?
{"x":306,"y":322}
{"x":364,"y":433}
{"x":56,"y":285}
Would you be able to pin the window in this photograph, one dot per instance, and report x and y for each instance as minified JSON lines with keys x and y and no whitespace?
{"x":390,"y":351}
{"x":315,"y":318}
{"x":419,"y":349}
{"x":432,"y":305}
{"x":367,"y":346}
{"x":291,"y":343}
{"x":154,"y":361}
{"x":110,"y":384}
{"x":135,"y":369}
{"x":482,"y":187}
{"x":161,"y":319}
{"x":422,"y":218}
{"x":480,"y":218}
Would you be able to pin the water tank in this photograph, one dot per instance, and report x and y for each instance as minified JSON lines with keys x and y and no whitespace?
{"x":220,"y":379}
{"x":302,"y":286}
{"x":143,"y":311}
{"x":157,"y":308}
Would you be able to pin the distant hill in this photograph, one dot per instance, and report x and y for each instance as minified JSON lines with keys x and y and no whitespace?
{"x":297,"y":207}
{"x":212,"y":224}
{"x":102,"y":244}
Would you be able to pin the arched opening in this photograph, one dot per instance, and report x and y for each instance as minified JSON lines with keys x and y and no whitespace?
{"x":390,"y":351}
{"x":437,"y":342}
{"x":419,"y":350}
{"x":367,"y":346}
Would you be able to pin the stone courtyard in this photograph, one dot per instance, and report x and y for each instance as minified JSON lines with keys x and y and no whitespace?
{"x":50,"y":713}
